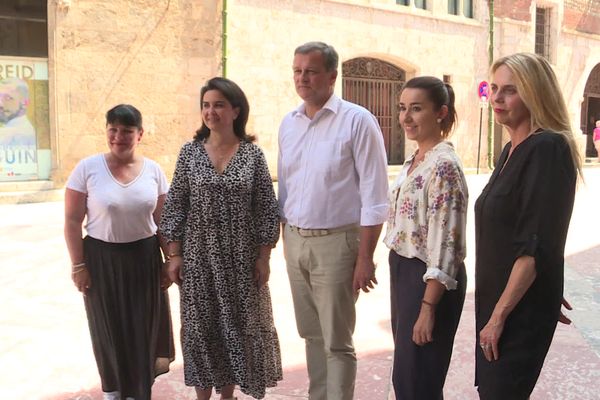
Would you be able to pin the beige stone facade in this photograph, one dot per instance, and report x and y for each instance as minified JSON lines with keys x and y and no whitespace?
{"x":262,"y":35}
{"x":420,"y":42}
{"x":153,"y":54}
{"x":156,"y":54}
{"x":573,"y":53}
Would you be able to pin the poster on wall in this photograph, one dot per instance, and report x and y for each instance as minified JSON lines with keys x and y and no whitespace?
{"x":24,"y":127}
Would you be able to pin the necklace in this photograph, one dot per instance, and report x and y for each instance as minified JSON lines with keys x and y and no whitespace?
{"x":221,"y":155}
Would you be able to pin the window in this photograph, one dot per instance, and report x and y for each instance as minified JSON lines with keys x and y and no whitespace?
{"x":418,"y":3}
{"x":453,"y":7}
{"x":24,"y":28}
{"x":25,"y":152}
{"x":468,"y":8}
{"x":542,"y":32}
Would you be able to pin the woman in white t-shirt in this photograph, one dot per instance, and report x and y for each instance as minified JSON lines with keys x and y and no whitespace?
{"x":118,"y":265}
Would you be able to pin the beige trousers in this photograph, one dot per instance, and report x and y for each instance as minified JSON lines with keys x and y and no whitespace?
{"x":320,"y":270}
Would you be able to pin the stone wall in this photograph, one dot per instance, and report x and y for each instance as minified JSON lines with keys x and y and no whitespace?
{"x":583,"y":15}
{"x":573,"y":57}
{"x":154,"y":54}
{"x":513,"y":9}
{"x":263,"y":34}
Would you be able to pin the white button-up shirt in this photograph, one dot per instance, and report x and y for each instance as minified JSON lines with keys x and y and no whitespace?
{"x":332,"y":170}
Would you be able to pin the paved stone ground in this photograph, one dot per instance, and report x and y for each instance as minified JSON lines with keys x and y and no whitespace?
{"x":45,"y":351}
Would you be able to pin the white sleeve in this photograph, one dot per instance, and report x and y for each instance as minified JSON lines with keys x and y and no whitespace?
{"x":78,"y":179}
{"x":281,"y":183}
{"x":163,"y":184}
{"x":371,"y":167}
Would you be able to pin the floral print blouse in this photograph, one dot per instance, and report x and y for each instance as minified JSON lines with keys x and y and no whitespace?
{"x":428,"y":214}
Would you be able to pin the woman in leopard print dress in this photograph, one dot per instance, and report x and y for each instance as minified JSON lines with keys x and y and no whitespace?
{"x":221,"y":219}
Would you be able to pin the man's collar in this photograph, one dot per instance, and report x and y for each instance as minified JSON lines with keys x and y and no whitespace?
{"x":332,"y":104}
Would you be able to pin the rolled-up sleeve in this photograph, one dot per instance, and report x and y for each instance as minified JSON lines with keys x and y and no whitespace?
{"x":371,"y":168}
{"x":447,"y":215}
{"x":545,"y":202}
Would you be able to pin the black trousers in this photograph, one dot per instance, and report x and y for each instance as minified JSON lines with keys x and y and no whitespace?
{"x":419,"y":372}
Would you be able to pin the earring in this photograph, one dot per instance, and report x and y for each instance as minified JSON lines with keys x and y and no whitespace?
{"x":439,"y":120}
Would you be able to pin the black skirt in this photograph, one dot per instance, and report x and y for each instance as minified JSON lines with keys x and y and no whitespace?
{"x":419,"y":372}
{"x":128,"y":315}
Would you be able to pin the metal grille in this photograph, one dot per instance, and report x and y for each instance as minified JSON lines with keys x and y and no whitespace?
{"x":375,"y":85}
{"x":542,"y":32}
{"x":453,"y":7}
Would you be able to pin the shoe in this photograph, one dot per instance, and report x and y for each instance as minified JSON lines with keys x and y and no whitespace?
{"x":111,"y":396}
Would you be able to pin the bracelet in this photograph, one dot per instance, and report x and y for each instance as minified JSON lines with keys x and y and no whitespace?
{"x":80,"y":265}
{"x":77,"y":271}
{"x":171,"y":255}
{"x":428,"y":303}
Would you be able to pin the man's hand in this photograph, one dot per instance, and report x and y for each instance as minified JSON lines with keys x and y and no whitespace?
{"x":364,"y":275}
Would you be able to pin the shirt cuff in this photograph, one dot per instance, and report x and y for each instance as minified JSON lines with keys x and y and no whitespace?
{"x":374,"y":215}
{"x":440,"y":276}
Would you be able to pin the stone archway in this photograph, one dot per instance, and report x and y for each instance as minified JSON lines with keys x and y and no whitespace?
{"x":375,"y":84}
{"x":590,"y":109}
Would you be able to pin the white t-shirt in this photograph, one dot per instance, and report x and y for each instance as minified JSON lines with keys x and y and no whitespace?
{"x":118,"y":213}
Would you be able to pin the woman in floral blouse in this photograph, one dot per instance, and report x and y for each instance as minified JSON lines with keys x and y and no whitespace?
{"x":426,"y":236}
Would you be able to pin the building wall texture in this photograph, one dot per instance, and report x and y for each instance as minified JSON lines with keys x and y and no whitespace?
{"x":156,"y":54}
{"x":263,"y":34}
{"x":153,"y":54}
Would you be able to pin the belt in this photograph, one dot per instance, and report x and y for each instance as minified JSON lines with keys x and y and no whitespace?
{"x":321,"y":232}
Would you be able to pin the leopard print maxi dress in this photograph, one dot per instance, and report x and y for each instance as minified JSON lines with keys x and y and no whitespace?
{"x":228,"y":335}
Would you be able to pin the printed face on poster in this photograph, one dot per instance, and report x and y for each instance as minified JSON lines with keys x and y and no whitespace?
{"x":19,"y":113}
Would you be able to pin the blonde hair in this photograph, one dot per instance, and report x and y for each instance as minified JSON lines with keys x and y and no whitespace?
{"x":539,"y":89}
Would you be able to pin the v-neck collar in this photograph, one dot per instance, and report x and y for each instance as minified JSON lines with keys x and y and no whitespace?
{"x":229,"y":163}
{"x":118,"y":182}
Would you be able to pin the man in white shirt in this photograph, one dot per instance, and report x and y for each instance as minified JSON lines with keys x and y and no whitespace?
{"x":15,"y":128}
{"x":332,"y":174}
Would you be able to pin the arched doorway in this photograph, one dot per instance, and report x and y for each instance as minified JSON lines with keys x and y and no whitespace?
{"x":590,"y":109}
{"x":375,"y":85}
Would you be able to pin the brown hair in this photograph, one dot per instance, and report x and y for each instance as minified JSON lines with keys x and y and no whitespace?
{"x":440,"y":94}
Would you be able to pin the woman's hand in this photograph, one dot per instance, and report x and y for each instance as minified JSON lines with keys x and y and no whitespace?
{"x":423,"y":329}
{"x":175,"y":269}
{"x":489,"y":338}
{"x":562,"y":318}
{"x":81,"y":279}
{"x":262,"y":271}
{"x":165,"y":281}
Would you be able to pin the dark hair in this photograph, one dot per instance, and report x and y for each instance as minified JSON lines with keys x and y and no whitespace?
{"x":330,"y":56}
{"x":124,"y":114}
{"x":236,"y":97}
{"x":441,"y":94}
